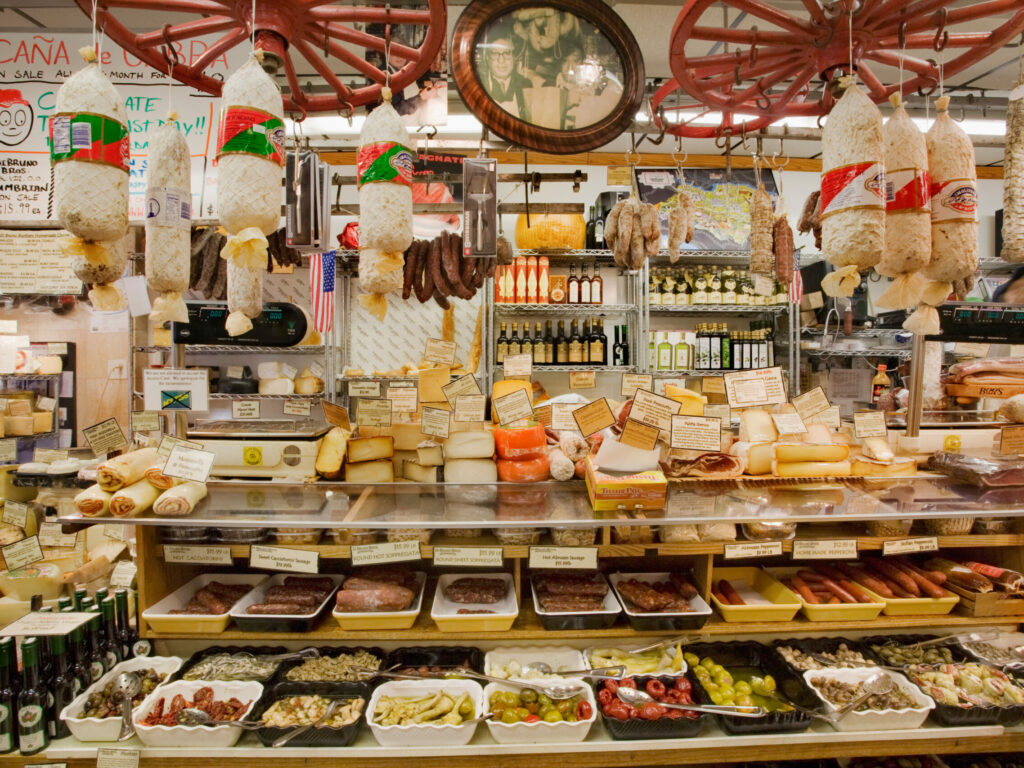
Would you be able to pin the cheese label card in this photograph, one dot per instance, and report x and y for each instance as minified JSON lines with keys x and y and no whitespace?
{"x":190,"y":555}
{"x":593,"y":417}
{"x":723,"y":412}
{"x":435,"y":422}
{"x":15,"y":513}
{"x":35,"y":624}
{"x":830,"y":417}
{"x":389,"y":552}
{"x":810,"y":403}
{"x":513,"y":407}
{"x":49,"y":455}
{"x":789,"y":423}
{"x":871,"y":424}
{"x":750,"y":389}
{"x":189,"y":463}
{"x":338,"y":416}
{"x":283,"y":559}
{"x":561,"y":416}
{"x":712,"y":385}
{"x":631,"y":382}
{"x":245,"y":409}
{"x":542,"y":415}
{"x":464,"y":385}
{"x":754,"y":549}
{"x":57,"y":348}
{"x":470,"y":408}
{"x":517,"y":366}
{"x":476,"y":557}
{"x":440,"y":351}
{"x":582,"y":379}
{"x":697,"y":433}
{"x":124,"y":574}
{"x":909,"y":546}
{"x":824,"y":549}
{"x":373,"y":412}
{"x":364,"y":389}
{"x":167,"y":443}
{"x":654,"y":410}
{"x":1011,"y":440}
{"x":22,"y":553}
{"x":111,"y":757}
{"x":289,"y":371}
{"x":45,"y":404}
{"x":235,"y":371}
{"x":8,"y":451}
{"x":105,"y":437}
{"x":297,"y":407}
{"x":51,"y":535}
{"x":317,"y":369}
{"x":145,"y":421}
{"x":403,"y":399}
{"x":637,"y":435}
{"x":116,"y":532}
{"x":563,"y":557}
{"x":176,"y":389}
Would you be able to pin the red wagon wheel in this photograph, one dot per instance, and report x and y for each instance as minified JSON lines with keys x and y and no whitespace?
{"x":729,"y":124}
{"x":770,"y":68}
{"x":316,"y":30}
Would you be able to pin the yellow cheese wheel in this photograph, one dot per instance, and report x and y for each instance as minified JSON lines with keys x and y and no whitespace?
{"x":861,"y":468}
{"x":790,"y":452}
{"x":813,"y":469}
{"x":507,"y":387}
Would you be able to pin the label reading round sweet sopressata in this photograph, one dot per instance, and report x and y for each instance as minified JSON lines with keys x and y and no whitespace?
{"x":386,"y":161}
{"x":89,"y":138}
{"x":249,"y":131}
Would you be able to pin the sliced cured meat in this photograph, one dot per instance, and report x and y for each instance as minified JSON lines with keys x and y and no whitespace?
{"x":712,"y":464}
{"x":1013,"y":366}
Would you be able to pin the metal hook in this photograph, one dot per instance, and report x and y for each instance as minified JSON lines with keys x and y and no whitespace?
{"x":577,"y":177}
{"x":901,"y":35}
{"x":752,"y":56}
{"x":679,"y":148}
{"x":302,"y":112}
{"x":433,"y":130}
{"x":941,"y":34}
{"x":724,"y":139}
{"x":170,"y":53}
{"x":351,"y":110}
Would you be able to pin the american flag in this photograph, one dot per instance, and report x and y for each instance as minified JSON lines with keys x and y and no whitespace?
{"x":796,"y":287}
{"x":321,"y":290}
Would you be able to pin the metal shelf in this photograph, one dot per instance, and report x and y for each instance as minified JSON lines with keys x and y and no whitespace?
{"x":30,"y":376}
{"x":861,"y":333}
{"x":724,"y":309}
{"x":579,"y":367}
{"x":565,"y":309}
{"x":257,"y":396}
{"x":35,"y":436}
{"x":902,"y":354}
{"x":200,"y":349}
{"x":693,"y":372}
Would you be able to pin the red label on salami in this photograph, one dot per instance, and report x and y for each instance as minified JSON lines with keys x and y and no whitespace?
{"x":89,"y":138}
{"x":385,"y":161}
{"x":248,"y":131}
{"x":955,"y":200}
{"x":860,"y":185}
{"x":907,"y":189}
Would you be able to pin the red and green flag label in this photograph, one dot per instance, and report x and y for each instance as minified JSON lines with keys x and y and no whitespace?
{"x":90,"y":138}
{"x":248,"y":131}
{"x":384,"y":161}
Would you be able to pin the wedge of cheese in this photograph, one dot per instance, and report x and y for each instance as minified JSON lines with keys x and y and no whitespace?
{"x":18,"y":426}
{"x":370,"y":449}
{"x":430,"y":381}
{"x":429,"y":454}
{"x":812,"y":469}
{"x":471,"y":471}
{"x":797,"y":452}
{"x":406,"y":435}
{"x":332,"y":453}
{"x":278,"y":386}
{"x":877,"y":448}
{"x":469,"y":445}
{"x":690,"y":403}
{"x":757,"y":455}
{"x":400,"y":458}
{"x":756,"y":426}
{"x":867,"y":468}
{"x":507,"y":387}
{"x":381,"y":471}
{"x":418,"y":473}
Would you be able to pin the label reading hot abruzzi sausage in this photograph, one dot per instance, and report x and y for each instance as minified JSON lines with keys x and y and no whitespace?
{"x":249,"y":131}
{"x":955,"y":200}
{"x":89,"y":138}
{"x":859,"y":185}
{"x":385,"y":161}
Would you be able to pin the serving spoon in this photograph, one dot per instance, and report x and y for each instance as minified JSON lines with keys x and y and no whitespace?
{"x":542,"y":668}
{"x":981,"y":636}
{"x":282,"y":740}
{"x":637,"y":698}
{"x":128,"y":686}
{"x":194,"y":716}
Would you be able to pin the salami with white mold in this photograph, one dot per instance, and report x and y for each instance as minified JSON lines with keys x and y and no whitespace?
{"x":1013,"y":177}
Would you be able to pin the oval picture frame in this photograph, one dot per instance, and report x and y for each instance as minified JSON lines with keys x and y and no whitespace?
{"x":471,"y":32}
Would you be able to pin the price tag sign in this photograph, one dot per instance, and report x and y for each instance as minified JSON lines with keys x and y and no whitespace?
{"x":517,"y":366}
{"x":8,"y":451}
{"x":582,"y":379}
{"x":464,"y":385}
{"x":317,"y":369}
{"x":168,"y":443}
{"x":189,"y":463}
{"x":282,"y":559}
{"x":297,"y":407}
{"x":475,"y":557}
{"x":723,"y":412}
{"x":564,"y":557}
{"x":15,"y":513}
{"x":124,"y":574}
{"x":810,"y":403}
{"x":51,"y":535}
{"x":435,"y":422}
{"x":789,"y":424}
{"x":830,"y":417}
{"x":403,"y":399}
{"x":289,"y":371}
{"x":8,"y":326}
{"x":562,"y":418}
{"x":870,"y":424}
{"x":469,"y":408}
{"x":910,"y":546}
{"x":763,"y":285}
{"x":235,"y":372}
{"x":109,"y":757}
{"x":364,"y":389}
{"x":337,"y":415}
{"x":631,"y":382}
{"x":1011,"y":440}
{"x":245,"y":409}
{"x":637,"y":435}
{"x":45,"y":404}
{"x":105,"y":437}
{"x":712,"y":385}
{"x":190,"y":555}
{"x":22,"y":553}
{"x":593,"y":417}
{"x":753,"y":549}
{"x":750,"y":389}
{"x":440,"y":351}
{"x":145,"y":421}
{"x":35,"y":624}
{"x":653,"y":410}
{"x":374,"y":412}
{"x":176,"y":389}
{"x":116,"y":532}
{"x":513,"y":407}
{"x":824,"y":549}
{"x":57,"y":348}
{"x":390,"y":552}
{"x":969,"y":349}
{"x":697,"y":433}
{"x":49,"y":455}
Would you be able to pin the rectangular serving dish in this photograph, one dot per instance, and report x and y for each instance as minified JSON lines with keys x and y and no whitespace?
{"x":916,"y":606}
{"x":872,"y":720}
{"x":823,"y":612}
{"x":556,"y":620}
{"x":314,"y":737}
{"x":542,"y":732}
{"x":446,"y":615}
{"x":202,"y":736}
{"x":664,"y":728}
{"x":784,"y":604}
{"x":254,"y":650}
{"x":425,"y":734}
{"x":452,"y":656}
{"x":642,"y":621}
{"x":360,"y":687}
{"x":555,"y":656}
{"x":160,"y":618}
{"x":384,"y":619}
{"x":280,"y":622}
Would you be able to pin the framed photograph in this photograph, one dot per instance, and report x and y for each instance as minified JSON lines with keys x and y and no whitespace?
{"x":560,"y":76}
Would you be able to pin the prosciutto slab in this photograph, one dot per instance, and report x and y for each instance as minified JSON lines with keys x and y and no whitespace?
{"x":713,"y":465}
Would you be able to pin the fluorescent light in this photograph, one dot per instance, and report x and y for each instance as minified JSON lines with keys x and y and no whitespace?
{"x":974,"y":127}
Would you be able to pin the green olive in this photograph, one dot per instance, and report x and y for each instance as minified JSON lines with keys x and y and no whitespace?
{"x":553,"y":716}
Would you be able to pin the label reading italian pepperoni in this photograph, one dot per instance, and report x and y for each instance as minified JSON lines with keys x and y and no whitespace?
{"x":385,"y":161}
{"x":859,"y":185}
{"x":955,"y":200}
{"x":89,"y":138}
{"x":907,"y":189}
{"x":249,"y":131}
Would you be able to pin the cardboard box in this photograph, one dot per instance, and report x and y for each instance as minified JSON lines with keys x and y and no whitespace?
{"x":639,"y":490}
{"x":558,"y":290}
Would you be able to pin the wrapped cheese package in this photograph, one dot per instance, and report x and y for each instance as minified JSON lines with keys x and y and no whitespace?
{"x":532,"y":470}
{"x":520,"y":442}
{"x":133,"y":500}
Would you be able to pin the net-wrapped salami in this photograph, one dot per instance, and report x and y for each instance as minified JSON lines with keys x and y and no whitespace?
{"x":168,"y":222}
{"x":761,"y":224}
{"x":1013,"y":177}
{"x":98,"y":264}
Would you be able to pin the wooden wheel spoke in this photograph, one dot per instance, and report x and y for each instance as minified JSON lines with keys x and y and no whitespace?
{"x":225,"y":43}
{"x":875,"y":86}
{"x":367,"y":15}
{"x":355,"y":61}
{"x":173,"y":6}
{"x":742,"y":36}
{"x":374,"y":43}
{"x":186,"y":30}
{"x":926,"y":40}
{"x":321,"y":67}
{"x":816,"y":11}
{"x":297,"y":94}
{"x":892,"y":59}
{"x":747,"y":72}
{"x":760,"y":88}
{"x":774,"y":16}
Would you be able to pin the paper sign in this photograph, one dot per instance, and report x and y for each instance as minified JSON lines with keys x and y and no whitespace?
{"x":105,"y":437}
{"x":561,"y":416}
{"x":8,"y":326}
{"x":124,"y":574}
{"x":338,"y":416}
{"x":297,"y":407}
{"x":593,"y":417}
{"x":235,"y":372}
{"x":245,"y":409}
{"x":116,"y":532}
{"x":189,"y":463}
{"x":51,"y":535}
{"x":35,"y":624}
{"x":435,"y":422}
{"x":46,"y":404}
{"x":470,"y":408}
{"x":750,"y":389}
{"x":22,"y":553}
{"x":513,"y":407}
{"x":1011,"y":440}
{"x":697,"y":433}
{"x":282,"y":559}
{"x":145,"y":421}
{"x":909,"y":546}
{"x":723,"y":412}
{"x":654,"y":410}
{"x":754,"y":549}
{"x":109,"y":757}
{"x":374,"y":413}
{"x":8,"y":451}
{"x":168,"y":442}
{"x":464,"y":385}
{"x":712,"y":385}
{"x":563,"y":557}
{"x":440,"y":351}
{"x":542,"y":415}
{"x":57,"y":348}
{"x":969,"y":349}
{"x":763,"y":285}
{"x":137,"y":295}
{"x":871,"y":424}
{"x":403,"y":399}
{"x":637,"y":435}
{"x":176,"y":389}
{"x":824,"y":549}
{"x":317,"y":369}
{"x":631,"y":382}
{"x":810,"y":403}
{"x":15,"y":513}
{"x":364,"y":389}
{"x":49,"y":455}
{"x":582,"y":379}
{"x":289,"y":371}
{"x":789,"y":424}
{"x":517,"y":366}
{"x":182,"y":553}
{"x":830,"y":417}
{"x":476,"y":557}
{"x":389,"y":552}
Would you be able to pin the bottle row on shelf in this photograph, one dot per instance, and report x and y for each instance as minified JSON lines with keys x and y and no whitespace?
{"x":679,"y":287}
{"x":712,"y":347}
{"x":528,"y":280}
{"x":588,"y":346}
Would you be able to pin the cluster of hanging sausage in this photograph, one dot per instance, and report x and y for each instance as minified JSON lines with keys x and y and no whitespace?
{"x":438,"y":269}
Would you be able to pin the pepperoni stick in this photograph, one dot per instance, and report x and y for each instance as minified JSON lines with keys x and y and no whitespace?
{"x":721,"y":598}
{"x":856,"y":591}
{"x":839,"y":592}
{"x":810,"y":576}
{"x":865,"y":579}
{"x":805,"y":591}
{"x":425,"y":291}
{"x":928,"y":587}
{"x":834,"y":600}
{"x":727,"y":589}
{"x":892,"y":572}
{"x":938,"y":577}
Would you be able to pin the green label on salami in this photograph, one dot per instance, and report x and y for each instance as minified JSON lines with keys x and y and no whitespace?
{"x":248,"y":131}
{"x":384,"y":161}
{"x":89,"y":138}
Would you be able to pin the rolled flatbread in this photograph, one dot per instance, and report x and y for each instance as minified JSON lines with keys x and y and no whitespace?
{"x":133,"y":500}
{"x":93,"y":502}
{"x":125,"y":470}
{"x":180,"y":500}
{"x":155,"y":474}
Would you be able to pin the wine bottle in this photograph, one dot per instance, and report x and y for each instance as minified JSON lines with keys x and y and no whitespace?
{"x":501,"y":348}
{"x":562,"y":348}
{"x":33,"y":736}
{"x":108,"y":642}
{"x":514,"y":345}
{"x":8,"y":697}
{"x":62,"y":687}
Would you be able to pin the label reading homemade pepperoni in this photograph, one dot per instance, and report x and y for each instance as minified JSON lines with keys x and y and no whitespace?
{"x":249,"y":131}
{"x":89,"y":138}
{"x":386,"y":161}
{"x":860,"y":185}
{"x":955,"y":200}
{"x":907,"y":189}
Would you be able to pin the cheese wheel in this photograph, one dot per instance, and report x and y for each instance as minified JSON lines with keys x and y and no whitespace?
{"x":524,"y":470}
{"x":797,"y":452}
{"x":812,"y":469}
{"x":865,"y":468}
{"x":370,"y":449}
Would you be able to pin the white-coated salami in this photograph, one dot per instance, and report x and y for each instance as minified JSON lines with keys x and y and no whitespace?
{"x":908,"y":237}
{"x":168,"y":221}
{"x":1013,"y":177}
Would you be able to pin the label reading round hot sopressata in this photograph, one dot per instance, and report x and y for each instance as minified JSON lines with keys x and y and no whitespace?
{"x":907,"y":189}
{"x":89,"y":138}
{"x":249,"y":131}
{"x":860,"y":185}
{"x":955,"y":200}
{"x":384,"y":161}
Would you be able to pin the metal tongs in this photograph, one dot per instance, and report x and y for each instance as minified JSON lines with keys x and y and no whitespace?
{"x":981,"y":636}
{"x":681,"y":640}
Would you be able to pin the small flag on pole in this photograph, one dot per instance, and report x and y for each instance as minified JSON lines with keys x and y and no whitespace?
{"x":321,"y":289}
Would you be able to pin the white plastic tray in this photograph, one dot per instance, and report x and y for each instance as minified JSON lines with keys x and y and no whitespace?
{"x":541,"y":731}
{"x":194,"y":735}
{"x":425,"y":734}
{"x":555,"y":656}
{"x":160,"y":618}
{"x":446,"y":614}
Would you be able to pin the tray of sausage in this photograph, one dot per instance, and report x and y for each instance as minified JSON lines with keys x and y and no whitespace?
{"x":286,"y":603}
{"x":574,"y":600}
{"x":380,"y":598}
{"x":483,"y":602}
{"x":655,"y":601}
{"x":203,"y":604}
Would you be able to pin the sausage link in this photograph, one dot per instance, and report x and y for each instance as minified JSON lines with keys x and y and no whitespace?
{"x":411,"y":263}
{"x":278,"y":608}
{"x":892,"y":572}
{"x":805,"y":591}
{"x":441,"y":284}
{"x":450,"y":261}
{"x":839,"y":592}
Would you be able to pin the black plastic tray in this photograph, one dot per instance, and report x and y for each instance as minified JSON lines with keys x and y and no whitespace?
{"x":636,"y":728}
{"x":790,"y":685}
{"x":583,"y":620}
{"x":958,"y":653}
{"x":256,"y":650}
{"x":817,"y":645}
{"x":1008,"y":760}
{"x":356,"y":685}
{"x":303,"y":622}
{"x":653,"y":622}
{"x":314,"y":737}
{"x":435,"y":656}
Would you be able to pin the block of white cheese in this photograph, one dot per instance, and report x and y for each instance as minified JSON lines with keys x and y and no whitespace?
{"x":429,"y":454}
{"x":796,"y":452}
{"x":400,"y":458}
{"x":757,"y":455}
{"x":818,"y":434}
{"x":756,"y":426}
{"x":381,"y":471}
{"x":863,"y":467}
{"x":269,"y":370}
{"x":469,"y":445}
{"x":418,"y":473}
{"x":49,"y":364}
{"x":278,"y":386}
{"x":877,"y":448}
{"x":470,"y":471}
{"x":370,"y":449}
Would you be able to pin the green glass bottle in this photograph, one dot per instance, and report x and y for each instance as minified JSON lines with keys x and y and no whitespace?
{"x":8,"y":697}
{"x":62,"y":687}
{"x":32,"y":734}
{"x":108,"y":640}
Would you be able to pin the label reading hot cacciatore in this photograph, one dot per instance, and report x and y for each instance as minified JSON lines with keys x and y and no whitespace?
{"x":384,"y":161}
{"x":249,"y":131}
{"x":89,"y":138}
{"x":859,"y":185}
{"x":955,"y":200}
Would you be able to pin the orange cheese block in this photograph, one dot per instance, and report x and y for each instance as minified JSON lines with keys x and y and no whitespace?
{"x":524,"y":470}
{"x":520,"y":442}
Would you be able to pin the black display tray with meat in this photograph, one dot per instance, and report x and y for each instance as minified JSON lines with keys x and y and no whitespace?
{"x":574,"y":600}
{"x":314,"y":737}
{"x":434,"y":660}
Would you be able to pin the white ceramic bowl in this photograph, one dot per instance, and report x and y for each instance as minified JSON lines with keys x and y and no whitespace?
{"x":194,"y":735}
{"x":555,"y":656}
{"x":107,"y":728}
{"x":425,"y":734}
{"x":541,"y":732}
{"x":875,"y":720}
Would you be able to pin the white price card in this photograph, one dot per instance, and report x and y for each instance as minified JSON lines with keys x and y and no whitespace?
{"x":763,"y":285}
{"x":561,"y":416}
{"x":469,"y":408}
{"x":168,"y":442}
{"x":176,"y":389}
{"x":388,"y":552}
{"x":189,"y":463}
{"x":464,"y":385}
{"x":8,"y":326}
{"x":753,"y":549}
{"x":15,"y":513}
{"x":105,"y":437}
{"x":435,"y":422}
{"x":364,"y":389}
{"x":475,"y":557}
{"x":789,"y":424}
{"x":374,"y":412}
{"x":403,"y":399}
{"x":145,"y":421}
{"x":751,"y":389}
{"x":440,"y":351}
{"x":22,"y":553}
{"x":810,"y":403}
{"x":870,"y":424}
{"x":970,"y":349}
{"x":631,"y":382}
{"x":712,"y":385}
{"x":57,"y":348}
{"x":51,"y":535}
{"x":910,"y":546}
{"x":35,"y":624}
{"x":723,"y":412}
{"x":124,"y":575}
{"x":654,"y":410}
{"x":824,"y":549}
{"x":111,"y":757}
{"x":8,"y":451}
{"x":513,"y":407}
{"x":46,"y":765}
{"x":515,"y":366}
{"x":284,"y":559}
{"x":582,"y":379}
{"x":245,"y":409}
{"x":46,"y":404}
{"x":197,"y":555}
{"x":697,"y":433}
{"x":317,"y":369}
{"x":563,"y":557}
{"x":289,"y":371}
{"x":830,"y":417}
{"x":297,"y":407}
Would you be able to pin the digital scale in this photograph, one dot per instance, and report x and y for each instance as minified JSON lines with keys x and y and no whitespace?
{"x":280,"y":324}
{"x":284,"y":450}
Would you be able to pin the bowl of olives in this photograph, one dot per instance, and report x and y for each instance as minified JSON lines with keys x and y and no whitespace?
{"x":527,"y":716}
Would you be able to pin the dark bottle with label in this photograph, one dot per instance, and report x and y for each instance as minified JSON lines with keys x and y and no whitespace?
{"x":33,"y":736}
{"x":62,"y":687}
{"x":575,"y":344}
{"x":549,"y":344}
{"x":125,"y":632}
{"x":8,"y":697}
{"x":562,"y":345}
{"x":65,"y":603}
{"x":108,"y":640}
{"x":142,"y":647}
{"x":526,"y":345}
{"x":514,"y":344}
{"x":585,"y":343}
{"x":539,"y":354}
{"x":589,"y":236}
{"x":80,"y":660}
{"x":501,"y":348}
{"x":598,"y":344}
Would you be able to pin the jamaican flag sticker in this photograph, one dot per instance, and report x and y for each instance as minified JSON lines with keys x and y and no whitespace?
{"x":89,"y":138}
{"x":249,"y":131}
